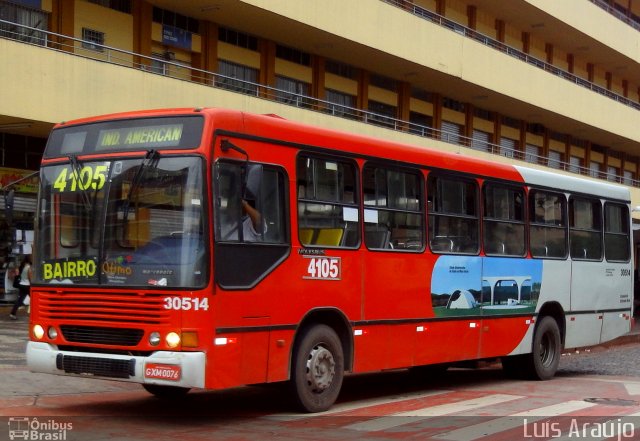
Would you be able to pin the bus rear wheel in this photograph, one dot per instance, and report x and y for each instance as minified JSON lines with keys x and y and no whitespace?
{"x":547,"y":349}
{"x":318,"y":368}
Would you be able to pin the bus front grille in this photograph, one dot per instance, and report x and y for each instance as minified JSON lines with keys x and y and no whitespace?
{"x":103,"y":367}
{"x":103,"y":336}
{"x":103,"y":308}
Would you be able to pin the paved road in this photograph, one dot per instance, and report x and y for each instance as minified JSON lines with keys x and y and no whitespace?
{"x":592,"y":387}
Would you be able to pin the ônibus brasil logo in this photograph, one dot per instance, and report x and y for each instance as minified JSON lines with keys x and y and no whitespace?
{"x":32,"y":429}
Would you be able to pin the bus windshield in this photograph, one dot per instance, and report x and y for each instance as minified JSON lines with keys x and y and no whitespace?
{"x":130,"y":222}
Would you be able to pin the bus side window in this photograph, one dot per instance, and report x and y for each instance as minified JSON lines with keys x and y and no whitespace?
{"x":616,"y":232}
{"x":453,"y":218}
{"x":585,"y":226}
{"x":548,"y":226}
{"x":393,"y":212}
{"x":504,"y":227}
{"x":234,"y":222}
{"x":327,"y":203}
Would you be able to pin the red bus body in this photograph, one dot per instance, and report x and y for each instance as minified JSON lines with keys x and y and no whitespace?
{"x":378,"y":302}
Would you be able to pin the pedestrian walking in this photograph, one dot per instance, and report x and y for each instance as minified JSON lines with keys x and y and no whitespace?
{"x":24,"y":286}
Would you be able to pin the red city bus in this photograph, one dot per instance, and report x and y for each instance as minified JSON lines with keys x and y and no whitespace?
{"x":209,"y":248}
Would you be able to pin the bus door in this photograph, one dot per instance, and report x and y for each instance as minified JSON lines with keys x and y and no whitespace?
{"x":588,"y":268}
{"x":251,"y":244}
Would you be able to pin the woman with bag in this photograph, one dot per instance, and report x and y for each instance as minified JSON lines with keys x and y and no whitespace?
{"x":10,"y":292}
{"x":24,"y":286}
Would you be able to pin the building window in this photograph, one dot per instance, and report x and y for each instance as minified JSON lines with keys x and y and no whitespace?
{"x":237,"y":77}
{"x":382,"y":114}
{"x":339,"y":103}
{"x":450,"y":103}
{"x":532,"y":153}
{"x":20,"y":15}
{"x":627,"y":178}
{"x":613,"y":173}
{"x":158,"y":66}
{"x":481,"y":141}
{"x":176,"y":20}
{"x":508,"y":147}
{"x":383,"y":82}
{"x":118,"y":5}
{"x":451,"y":132}
{"x":341,"y":69}
{"x":421,"y":124}
{"x":421,"y":94}
{"x":293,"y":55}
{"x":92,"y":40}
{"x":575,"y":164}
{"x":237,"y":38}
{"x":555,"y":159}
{"x":594,"y":169}
{"x":291,"y":91}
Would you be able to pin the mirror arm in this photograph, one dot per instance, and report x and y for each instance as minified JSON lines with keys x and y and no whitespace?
{"x":227,"y":145}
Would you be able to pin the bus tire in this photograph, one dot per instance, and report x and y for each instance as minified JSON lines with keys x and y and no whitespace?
{"x":318,"y":368}
{"x":166,"y":392}
{"x":547,"y":350}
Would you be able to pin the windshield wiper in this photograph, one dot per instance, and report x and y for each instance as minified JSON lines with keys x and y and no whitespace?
{"x":76,"y":170}
{"x":151,"y":158}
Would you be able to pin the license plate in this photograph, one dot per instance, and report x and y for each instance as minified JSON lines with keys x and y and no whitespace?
{"x":162,"y":371}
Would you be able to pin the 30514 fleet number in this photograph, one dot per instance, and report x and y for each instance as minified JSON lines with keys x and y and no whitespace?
{"x":186,"y":303}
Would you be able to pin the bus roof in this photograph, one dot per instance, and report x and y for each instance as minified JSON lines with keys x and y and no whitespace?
{"x":275,"y":127}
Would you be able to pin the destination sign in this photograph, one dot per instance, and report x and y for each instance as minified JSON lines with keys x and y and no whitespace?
{"x":175,"y":132}
{"x":151,"y":136}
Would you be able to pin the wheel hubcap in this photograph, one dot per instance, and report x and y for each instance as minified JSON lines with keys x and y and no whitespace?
{"x":321,"y":368}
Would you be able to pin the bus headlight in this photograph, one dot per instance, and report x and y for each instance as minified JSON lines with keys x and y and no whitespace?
{"x":52,"y":333}
{"x":154,"y":338}
{"x":38,"y":332}
{"x":172,"y":339}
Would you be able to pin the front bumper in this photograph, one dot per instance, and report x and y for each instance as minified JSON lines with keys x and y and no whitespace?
{"x":183,"y":369}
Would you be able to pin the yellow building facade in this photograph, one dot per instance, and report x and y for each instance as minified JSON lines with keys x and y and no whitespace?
{"x":552,"y":84}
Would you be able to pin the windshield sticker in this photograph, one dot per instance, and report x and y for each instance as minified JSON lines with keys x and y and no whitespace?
{"x":118,"y":270}
{"x":69,"y":269}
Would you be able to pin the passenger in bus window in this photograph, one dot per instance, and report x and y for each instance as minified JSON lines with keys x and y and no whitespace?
{"x":253,"y":225}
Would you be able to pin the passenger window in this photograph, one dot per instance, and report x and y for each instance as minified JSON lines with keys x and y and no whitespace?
{"x":327,"y":203}
{"x":251,"y":226}
{"x":393,"y":216}
{"x":585,"y":227}
{"x":504,"y":226}
{"x":548,"y":229}
{"x":249,"y":216}
{"x":616,"y":232}
{"x":453,"y":216}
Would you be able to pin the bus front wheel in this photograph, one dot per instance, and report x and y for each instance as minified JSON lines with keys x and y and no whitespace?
{"x":318,"y":368}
